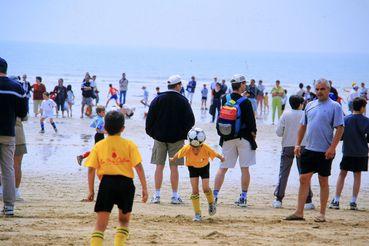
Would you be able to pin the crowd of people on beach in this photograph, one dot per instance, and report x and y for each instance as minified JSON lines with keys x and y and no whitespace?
{"x":310,"y":133}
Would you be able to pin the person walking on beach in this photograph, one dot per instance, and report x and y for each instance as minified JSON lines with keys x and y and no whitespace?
{"x":213,"y":85}
{"x":204,"y":97}
{"x":301,"y":91}
{"x":354,"y":93}
{"x":70,"y":100}
{"x":168,"y":121}
{"x":216,"y":97}
{"x":260,"y":95}
{"x":287,"y":129}
{"x":333,"y":92}
{"x":14,"y":104}
{"x":309,"y":95}
{"x":27,"y":88}
{"x":112,"y":95}
{"x":191,"y":89}
{"x":95,"y":90}
{"x":364,"y":91}
{"x":277,"y":95}
{"x":123,"y":87}
{"x":38,"y":90}
{"x":241,"y":144}
{"x":252,"y":92}
{"x":87,"y":94}
{"x":61,"y":95}
{"x":355,"y":151}
{"x":320,"y":119}
{"x":224,"y":87}
{"x":284,"y":100}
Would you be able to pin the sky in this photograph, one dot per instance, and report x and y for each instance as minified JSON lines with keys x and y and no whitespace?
{"x":332,"y":26}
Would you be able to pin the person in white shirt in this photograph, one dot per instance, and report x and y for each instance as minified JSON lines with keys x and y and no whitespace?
{"x":353,"y":94}
{"x":47,"y":111}
{"x":287,"y":129}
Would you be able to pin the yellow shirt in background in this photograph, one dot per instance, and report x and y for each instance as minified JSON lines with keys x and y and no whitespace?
{"x":199,"y":160}
{"x":114,"y":156}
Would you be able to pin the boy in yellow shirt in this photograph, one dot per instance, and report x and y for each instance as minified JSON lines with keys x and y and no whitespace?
{"x":197,"y":156}
{"x":113,"y":159}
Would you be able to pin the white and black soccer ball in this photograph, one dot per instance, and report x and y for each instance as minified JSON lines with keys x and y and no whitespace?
{"x":196,"y":137}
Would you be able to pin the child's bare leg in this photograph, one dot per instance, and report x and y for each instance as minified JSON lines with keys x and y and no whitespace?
{"x":205,"y":185}
{"x":195,"y":186}
{"x":340,"y":183}
{"x":122,"y":231}
{"x":357,"y":182}
{"x":102,"y":220}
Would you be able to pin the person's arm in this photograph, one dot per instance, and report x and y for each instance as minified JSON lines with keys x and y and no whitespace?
{"x":141,"y":175}
{"x":281,"y":125}
{"x":249,"y":117}
{"x":189,"y":119}
{"x":300,"y":137}
{"x":150,"y":118}
{"x":331,"y":152}
{"x":220,"y":157}
{"x":91,"y":184}
{"x":174,"y":158}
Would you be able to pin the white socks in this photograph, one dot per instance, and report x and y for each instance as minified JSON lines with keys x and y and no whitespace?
{"x":157,"y":193}
{"x":175,"y":194}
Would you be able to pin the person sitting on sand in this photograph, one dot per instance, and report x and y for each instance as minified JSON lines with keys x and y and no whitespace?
{"x":197,"y":155}
{"x":113,"y":160}
{"x":287,"y":129}
{"x":355,"y":151}
{"x":321,"y":117}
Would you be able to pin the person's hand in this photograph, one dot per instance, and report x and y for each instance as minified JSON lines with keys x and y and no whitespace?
{"x":221,"y":158}
{"x":90,"y":197}
{"x":297,"y":151}
{"x":171,"y":159}
{"x":330,"y":153}
{"x":145,"y":195}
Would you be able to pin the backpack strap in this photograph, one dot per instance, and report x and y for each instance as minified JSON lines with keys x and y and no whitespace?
{"x":240,"y":100}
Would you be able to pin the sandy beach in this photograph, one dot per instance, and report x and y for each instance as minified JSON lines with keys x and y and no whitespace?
{"x":53,"y":186}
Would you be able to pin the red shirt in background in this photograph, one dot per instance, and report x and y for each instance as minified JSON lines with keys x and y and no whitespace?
{"x":38,"y":90}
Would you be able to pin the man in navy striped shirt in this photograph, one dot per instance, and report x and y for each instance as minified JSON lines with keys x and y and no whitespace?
{"x":13,"y":104}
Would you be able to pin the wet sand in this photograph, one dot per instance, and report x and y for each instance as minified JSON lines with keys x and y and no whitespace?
{"x":53,"y":186}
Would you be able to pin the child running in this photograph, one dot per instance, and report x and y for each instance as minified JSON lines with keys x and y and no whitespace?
{"x":47,"y":111}
{"x":113,"y":92}
{"x":70,"y":100}
{"x":355,"y":151}
{"x":113,"y":159}
{"x":197,"y":155}
{"x":98,"y":124}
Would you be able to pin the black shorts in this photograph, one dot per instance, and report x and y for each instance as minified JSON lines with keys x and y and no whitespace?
{"x":115,"y":189}
{"x":98,"y":137}
{"x":204,"y":98}
{"x":202,"y":172}
{"x":315,"y":162}
{"x":60,"y":106}
{"x":354,"y":164}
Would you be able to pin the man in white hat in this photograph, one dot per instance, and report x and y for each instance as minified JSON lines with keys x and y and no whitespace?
{"x":168,"y":121}
{"x":240,"y":145}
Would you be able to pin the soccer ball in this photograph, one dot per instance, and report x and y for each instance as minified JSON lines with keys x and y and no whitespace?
{"x":196,"y":136}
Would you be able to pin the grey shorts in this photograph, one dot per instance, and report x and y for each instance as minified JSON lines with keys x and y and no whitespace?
{"x":161,"y":150}
{"x":87,"y":101}
{"x":20,"y":149}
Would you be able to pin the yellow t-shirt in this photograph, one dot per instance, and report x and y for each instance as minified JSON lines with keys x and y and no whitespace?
{"x":277,"y":90}
{"x":199,"y":160}
{"x":114,"y":156}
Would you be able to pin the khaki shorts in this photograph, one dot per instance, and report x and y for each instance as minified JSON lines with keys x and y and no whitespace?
{"x":36,"y":106}
{"x":20,"y":149}
{"x":238,"y":149}
{"x":161,"y":150}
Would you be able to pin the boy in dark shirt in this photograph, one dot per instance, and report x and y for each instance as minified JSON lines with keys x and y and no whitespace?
{"x":355,"y":151}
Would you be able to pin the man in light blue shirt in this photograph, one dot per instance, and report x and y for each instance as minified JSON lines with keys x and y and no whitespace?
{"x":320,"y":119}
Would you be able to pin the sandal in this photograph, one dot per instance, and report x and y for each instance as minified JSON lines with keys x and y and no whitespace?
{"x":320,"y":219}
{"x":294,"y":217}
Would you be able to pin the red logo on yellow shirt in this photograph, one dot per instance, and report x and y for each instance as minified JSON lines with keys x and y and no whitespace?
{"x":114,"y":155}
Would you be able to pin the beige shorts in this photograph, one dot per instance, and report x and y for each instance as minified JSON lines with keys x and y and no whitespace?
{"x":36,"y":106}
{"x":161,"y":150}
{"x":238,"y":149}
{"x":20,"y":149}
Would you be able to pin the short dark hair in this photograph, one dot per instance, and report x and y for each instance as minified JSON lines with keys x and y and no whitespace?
{"x":3,"y":66}
{"x":301,"y":85}
{"x":114,"y":121}
{"x":39,"y":78}
{"x":100,"y":109}
{"x":295,"y":101}
{"x":358,"y":103}
{"x":69,"y":87}
{"x":46,"y":93}
{"x":236,"y":86}
{"x":110,"y":85}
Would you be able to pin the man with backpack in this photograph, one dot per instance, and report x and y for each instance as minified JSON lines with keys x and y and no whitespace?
{"x":236,"y":127}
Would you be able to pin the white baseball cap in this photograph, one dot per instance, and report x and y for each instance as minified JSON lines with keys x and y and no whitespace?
{"x":174,"y":79}
{"x":238,"y":78}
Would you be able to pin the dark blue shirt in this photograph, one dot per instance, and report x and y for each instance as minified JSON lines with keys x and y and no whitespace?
{"x":355,"y":142}
{"x":191,"y":86}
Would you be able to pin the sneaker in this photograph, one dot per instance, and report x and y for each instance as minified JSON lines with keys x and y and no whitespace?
{"x":197,"y":218}
{"x":334,"y":205}
{"x":309,"y":206}
{"x":212,"y":209}
{"x":18,"y":196}
{"x":8,"y":211}
{"x":42,"y":131}
{"x":241,"y":202}
{"x":155,"y":199}
{"x":176,"y":200}
{"x":56,"y":130}
{"x":79,"y":159}
{"x":277,"y":204}
{"x":353,"y":206}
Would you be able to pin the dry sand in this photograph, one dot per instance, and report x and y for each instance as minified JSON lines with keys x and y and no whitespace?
{"x":53,"y":186}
